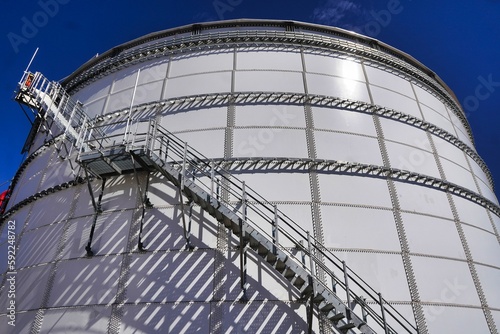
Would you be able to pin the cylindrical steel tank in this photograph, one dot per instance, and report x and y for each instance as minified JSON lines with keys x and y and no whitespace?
{"x":355,"y":141}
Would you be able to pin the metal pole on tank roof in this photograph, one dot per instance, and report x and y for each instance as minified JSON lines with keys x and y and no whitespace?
{"x":29,"y":65}
{"x":125,"y":137}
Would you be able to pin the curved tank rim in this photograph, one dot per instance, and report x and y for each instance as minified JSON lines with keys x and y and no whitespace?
{"x":258,"y":22}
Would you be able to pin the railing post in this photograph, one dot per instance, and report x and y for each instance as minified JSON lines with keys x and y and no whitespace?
{"x":382,"y":309}
{"x":311,"y":282}
{"x":243,"y":201}
{"x":125,"y":137}
{"x":243,"y":255}
{"x":347,"y":291}
{"x":275,"y":230}
{"x":309,"y":249}
{"x":183,"y":172}
{"x":135,"y":134}
{"x":212,"y":177}
{"x":153,"y":135}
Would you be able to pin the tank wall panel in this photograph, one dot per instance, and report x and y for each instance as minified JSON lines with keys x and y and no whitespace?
{"x":78,"y":232}
{"x":210,"y":142}
{"x":383,"y":272}
{"x":489,"y":281}
{"x":342,"y":120}
{"x":449,"y":151}
{"x":337,"y":87}
{"x":275,"y":186}
{"x":415,"y":198}
{"x":196,"y":84}
{"x":196,"y":119}
{"x":266,"y":81}
{"x":269,"y":317}
{"x":163,"y":229}
{"x":32,"y":280}
{"x":472,"y":214}
{"x":445,"y":273}
{"x":118,"y":195}
{"x":270,"y":142}
{"x":201,"y":63}
{"x":381,"y":78}
{"x":172,"y":276}
{"x":354,"y":190}
{"x":161,"y":192}
{"x":458,"y":175}
{"x":44,"y":213}
{"x":86,"y":283}
{"x":478,"y":171}
{"x":431,"y":102}
{"x":488,"y":193}
{"x":425,"y":236}
{"x":396,"y":101}
{"x":412,"y":158}
{"x":441,"y":319}
{"x":270,"y":116}
{"x":98,"y":90}
{"x":347,"y":147}
{"x":433,"y":117}
{"x":93,"y":319}
{"x":348,"y":227}
{"x":24,"y":320}
{"x":39,"y":246}
{"x":483,"y":245}
{"x":30,"y":179}
{"x":269,"y":60}
{"x":167,"y":318}
{"x":84,"y":205}
{"x":321,"y":64}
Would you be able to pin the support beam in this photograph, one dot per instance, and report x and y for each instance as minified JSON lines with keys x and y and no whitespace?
{"x":242,"y":246}
{"x":98,"y":210}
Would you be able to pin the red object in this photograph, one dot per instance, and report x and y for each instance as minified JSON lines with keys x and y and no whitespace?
{"x":3,"y":200}
{"x":29,"y":80}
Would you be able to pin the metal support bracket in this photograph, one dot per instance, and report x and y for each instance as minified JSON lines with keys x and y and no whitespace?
{"x":98,"y":211}
{"x":186,"y":229}
{"x":243,"y":246}
{"x":144,"y":202}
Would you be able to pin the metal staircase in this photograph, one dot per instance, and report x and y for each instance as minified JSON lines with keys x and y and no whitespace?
{"x":259,"y":225}
{"x":51,"y":101}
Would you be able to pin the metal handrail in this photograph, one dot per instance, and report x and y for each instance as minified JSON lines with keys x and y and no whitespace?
{"x":171,"y":149}
{"x":35,"y":88}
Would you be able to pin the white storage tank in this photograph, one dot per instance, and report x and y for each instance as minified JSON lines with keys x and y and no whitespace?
{"x":322,"y":145}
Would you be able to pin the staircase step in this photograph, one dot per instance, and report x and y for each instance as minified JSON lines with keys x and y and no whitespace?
{"x":262,"y":251}
{"x":336,"y":316}
{"x":289,"y":274}
{"x":325,"y":307}
{"x":299,"y":282}
{"x":347,"y":326}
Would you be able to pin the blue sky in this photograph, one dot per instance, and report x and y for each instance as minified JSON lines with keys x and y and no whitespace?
{"x":458,"y":40}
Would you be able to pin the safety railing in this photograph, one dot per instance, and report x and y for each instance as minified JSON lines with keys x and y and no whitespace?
{"x":265,"y":217}
{"x":40,"y":93}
